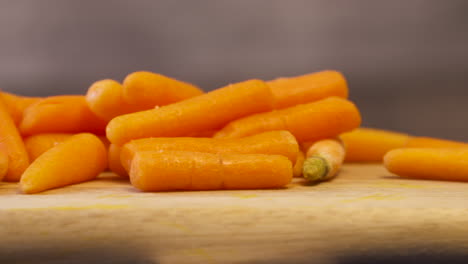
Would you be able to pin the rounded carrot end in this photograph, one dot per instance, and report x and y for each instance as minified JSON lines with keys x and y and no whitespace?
{"x":315,"y":169}
{"x":115,"y":164}
{"x":27,"y":188}
{"x":95,"y":94}
{"x":110,"y":130}
{"x":148,"y":89}
{"x":389,"y":158}
{"x":3,"y":165}
{"x":135,"y":175}
{"x":338,"y":82}
{"x":27,"y":185}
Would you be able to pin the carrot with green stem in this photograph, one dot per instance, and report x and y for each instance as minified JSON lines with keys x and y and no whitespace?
{"x":308,"y":88}
{"x":370,"y":145}
{"x":273,"y":142}
{"x":3,"y":165}
{"x":202,"y":113}
{"x":183,"y":170}
{"x":308,"y":122}
{"x":105,"y":99}
{"x":36,"y":145}
{"x":449,"y":164}
{"x":16,"y":104}
{"x":323,"y":160}
{"x":147,"y":89}
{"x":78,"y":159}
{"x":12,"y":145}
{"x":61,"y":114}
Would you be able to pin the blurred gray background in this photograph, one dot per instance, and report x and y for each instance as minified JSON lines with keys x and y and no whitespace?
{"x":406,"y":61}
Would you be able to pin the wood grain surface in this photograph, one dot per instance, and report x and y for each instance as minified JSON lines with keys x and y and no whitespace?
{"x":366,"y":215}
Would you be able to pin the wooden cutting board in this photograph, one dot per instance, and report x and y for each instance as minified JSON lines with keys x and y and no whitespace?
{"x":364,"y":214}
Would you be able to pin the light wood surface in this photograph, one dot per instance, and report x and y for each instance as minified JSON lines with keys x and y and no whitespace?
{"x":364,"y":214}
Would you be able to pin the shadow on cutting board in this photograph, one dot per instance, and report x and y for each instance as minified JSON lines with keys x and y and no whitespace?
{"x":121,"y":252}
{"x":422,"y":255}
{"x":71,"y":253}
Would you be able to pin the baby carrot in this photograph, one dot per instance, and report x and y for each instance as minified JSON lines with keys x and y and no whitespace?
{"x":204,"y":134}
{"x":3,"y":165}
{"x":80,"y":158}
{"x":313,"y":121}
{"x":115,"y":165}
{"x":205,"y":112}
{"x":273,"y":142}
{"x":429,"y":163}
{"x":304,"y":146}
{"x":12,"y":145}
{"x":428,"y":142}
{"x":370,"y":145}
{"x":61,"y":114}
{"x":323,"y":160}
{"x":147,"y":89}
{"x":36,"y":145}
{"x":181,"y":170}
{"x":105,"y":99}
{"x":297,"y":169}
{"x":16,"y":105}
{"x":308,"y":88}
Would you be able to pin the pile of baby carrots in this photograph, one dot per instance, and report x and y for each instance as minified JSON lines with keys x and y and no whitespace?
{"x":164,"y":135}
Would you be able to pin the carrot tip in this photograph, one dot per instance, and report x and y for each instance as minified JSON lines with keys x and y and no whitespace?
{"x":315,"y":169}
{"x":26,"y":189}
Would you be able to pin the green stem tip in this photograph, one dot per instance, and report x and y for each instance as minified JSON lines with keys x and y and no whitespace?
{"x":315,"y":169}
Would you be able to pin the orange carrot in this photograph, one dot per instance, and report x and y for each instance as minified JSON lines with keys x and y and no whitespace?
{"x":38,"y":144}
{"x":105,"y":99}
{"x":78,"y":159}
{"x":429,"y":163}
{"x":370,"y":145}
{"x":297,"y":169}
{"x":428,"y":142}
{"x":105,"y":141}
{"x":61,"y":114}
{"x":308,"y":88}
{"x":147,"y":89}
{"x":115,"y":165}
{"x":180,"y":170}
{"x":201,"y":113}
{"x":322,"y":119}
{"x":12,"y":145}
{"x":323,"y":160}
{"x":3,"y":165}
{"x":273,"y":143}
{"x":304,"y":146}
{"x":204,"y":134}
{"x":16,"y":105}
